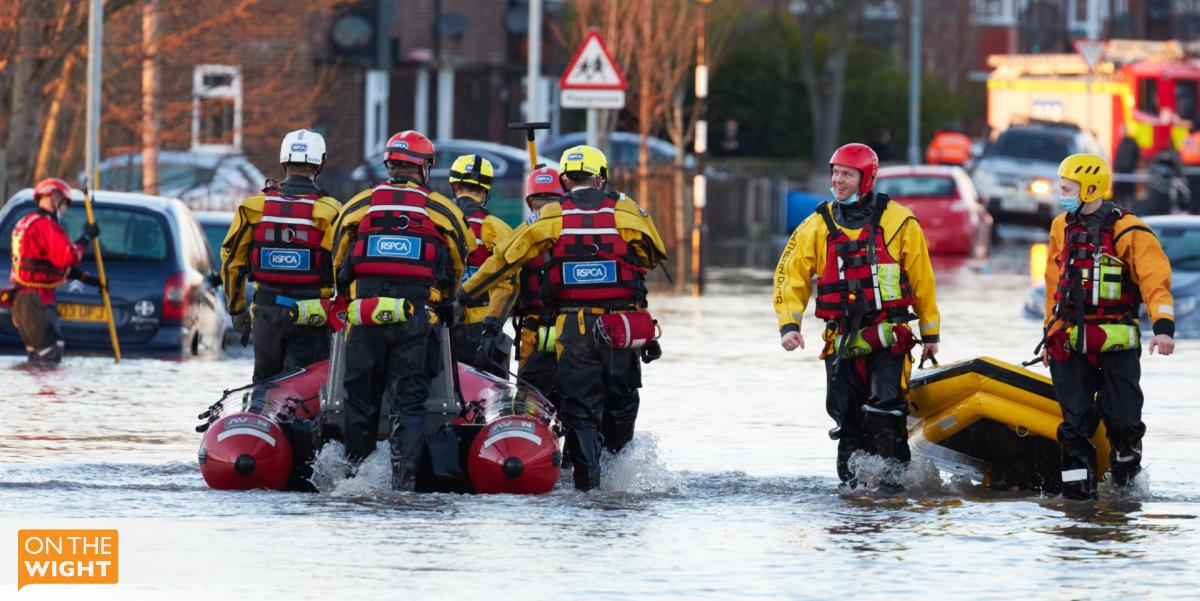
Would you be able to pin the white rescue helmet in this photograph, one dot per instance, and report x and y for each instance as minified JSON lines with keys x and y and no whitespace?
{"x":303,"y":146}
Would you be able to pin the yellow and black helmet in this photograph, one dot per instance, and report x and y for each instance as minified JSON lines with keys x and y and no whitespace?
{"x":585,"y":159}
{"x":472,"y":169}
{"x":1089,"y":170}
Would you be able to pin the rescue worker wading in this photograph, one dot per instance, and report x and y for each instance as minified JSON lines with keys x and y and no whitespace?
{"x":43,"y":258}
{"x":282,"y":240}
{"x":600,"y":246}
{"x":872,"y":263}
{"x":536,"y":359}
{"x":1102,"y":264}
{"x":399,"y":254}
{"x":474,"y":340}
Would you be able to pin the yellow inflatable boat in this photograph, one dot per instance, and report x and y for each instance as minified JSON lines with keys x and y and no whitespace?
{"x":991,"y":421}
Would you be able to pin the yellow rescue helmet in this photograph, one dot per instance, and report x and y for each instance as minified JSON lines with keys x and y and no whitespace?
{"x":472,"y":169}
{"x":1089,"y":170}
{"x":583,"y":158}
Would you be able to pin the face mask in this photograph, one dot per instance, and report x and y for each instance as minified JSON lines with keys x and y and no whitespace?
{"x":849,"y":201}
{"x":1069,"y":204}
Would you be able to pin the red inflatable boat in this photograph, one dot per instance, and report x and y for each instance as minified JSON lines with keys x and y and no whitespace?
{"x":490,"y":437}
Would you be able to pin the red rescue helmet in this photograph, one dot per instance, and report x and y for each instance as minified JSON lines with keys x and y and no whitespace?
{"x":860,"y":157}
{"x":49,"y":185}
{"x":543,"y":180}
{"x":410,"y":147}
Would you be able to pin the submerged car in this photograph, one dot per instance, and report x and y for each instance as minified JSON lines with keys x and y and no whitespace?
{"x":206,"y":182}
{"x":1180,"y":238}
{"x":944,"y":200}
{"x":161,"y":278}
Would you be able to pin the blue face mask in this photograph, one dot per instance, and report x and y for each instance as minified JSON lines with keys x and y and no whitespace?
{"x":1069,"y":204}
{"x":849,"y":201}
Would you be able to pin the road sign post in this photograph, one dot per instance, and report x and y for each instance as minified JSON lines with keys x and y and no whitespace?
{"x":1092,"y":52}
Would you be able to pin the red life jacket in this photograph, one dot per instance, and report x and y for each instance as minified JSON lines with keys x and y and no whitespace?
{"x":287,"y":250}
{"x":591,"y":264}
{"x":397,"y":239}
{"x":476,"y":257}
{"x":30,"y":271}
{"x":862,"y":281}
{"x":1095,"y":285}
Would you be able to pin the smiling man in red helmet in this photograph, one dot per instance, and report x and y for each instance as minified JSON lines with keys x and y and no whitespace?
{"x":873,"y":271}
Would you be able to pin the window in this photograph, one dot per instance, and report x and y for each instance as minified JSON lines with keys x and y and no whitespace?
{"x":1147,"y":101}
{"x":1185,"y":99}
{"x":127,"y":235}
{"x":994,"y":12}
{"x":1032,"y":145}
{"x":217,"y":108}
{"x":908,"y":187}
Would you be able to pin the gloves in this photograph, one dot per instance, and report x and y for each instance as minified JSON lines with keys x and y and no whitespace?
{"x":86,"y":278}
{"x":652,"y":351}
{"x":241,"y":323}
{"x":91,"y":231}
{"x":487,"y":341}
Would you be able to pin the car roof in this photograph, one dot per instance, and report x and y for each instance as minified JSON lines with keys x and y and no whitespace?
{"x":161,"y":204}
{"x":510,"y":152}
{"x":917,"y":170}
{"x":177,"y":156}
{"x":1189,"y":221}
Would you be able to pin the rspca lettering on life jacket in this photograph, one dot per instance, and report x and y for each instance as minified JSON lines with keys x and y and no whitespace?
{"x":286,"y":259}
{"x":590,"y":272}
{"x":398,"y":247}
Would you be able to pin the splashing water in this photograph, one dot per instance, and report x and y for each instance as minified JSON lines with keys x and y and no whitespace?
{"x":638,"y":469}
{"x":918,"y":478}
{"x":332,"y":472}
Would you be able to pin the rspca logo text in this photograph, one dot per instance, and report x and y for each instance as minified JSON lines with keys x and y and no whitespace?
{"x":575,"y":156}
{"x":299,"y":147}
{"x":543,"y":179}
{"x":590,"y":272}
{"x":400,"y":247}
{"x":286,"y":259}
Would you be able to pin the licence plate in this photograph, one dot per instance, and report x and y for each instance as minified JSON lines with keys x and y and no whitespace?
{"x":72,"y":312}
{"x":1019,"y":204}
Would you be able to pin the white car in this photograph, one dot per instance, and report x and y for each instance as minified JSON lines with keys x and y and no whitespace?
{"x":204,"y":182}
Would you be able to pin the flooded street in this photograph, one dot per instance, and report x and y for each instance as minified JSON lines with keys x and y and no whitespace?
{"x":728,"y":491}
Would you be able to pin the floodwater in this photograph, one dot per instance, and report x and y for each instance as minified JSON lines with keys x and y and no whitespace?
{"x":728,"y":491}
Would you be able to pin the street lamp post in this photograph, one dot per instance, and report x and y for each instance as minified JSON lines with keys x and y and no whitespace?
{"x":700,"y":147}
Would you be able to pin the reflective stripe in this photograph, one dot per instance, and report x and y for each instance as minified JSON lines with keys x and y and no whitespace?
{"x":380,"y":208}
{"x":929,"y":326}
{"x":478,"y":242}
{"x":289,"y":220}
{"x":475,"y":220}
{"x":1074,"y":475}
{"x":306,"y":201}
{"x":1166,"y":309}
{"x":1125,"y":458}
{"x":588,"y":211}
{"x":249,"y":432}
{"x":589,"y":231}
{"x":493,"y":439}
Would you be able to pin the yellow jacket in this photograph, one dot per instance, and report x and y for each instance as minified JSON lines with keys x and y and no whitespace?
{"x":804,"y":258}
{"x":235,"y":250}
{"x":538,"y":234}
{"x":493,"y":232}
{"x":1138,"y":248}
{"x":445,"y":215}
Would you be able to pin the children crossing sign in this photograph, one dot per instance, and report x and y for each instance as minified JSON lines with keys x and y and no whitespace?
{"x":592,"y":79}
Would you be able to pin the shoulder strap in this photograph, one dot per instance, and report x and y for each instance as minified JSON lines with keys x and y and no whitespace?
{"x":826,"y":212}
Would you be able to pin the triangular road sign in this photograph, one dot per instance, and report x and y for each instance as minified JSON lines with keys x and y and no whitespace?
{"x":592,"y":67}
{"x":1092,"y":51}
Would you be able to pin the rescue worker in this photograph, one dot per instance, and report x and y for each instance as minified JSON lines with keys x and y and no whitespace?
{"x":872,"y":266}
{"x":1189,"y":155}
{"x":948,"y":148}
{"x":1102,"y":264}
{"x":537,"y":363}
{"x":1125,"y":162}
{"x":473,"y":341}
{"x":398,"y":256}
{"x":282,"y":239}
{"x":44,"y":258}
{"x":600,"y":245}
